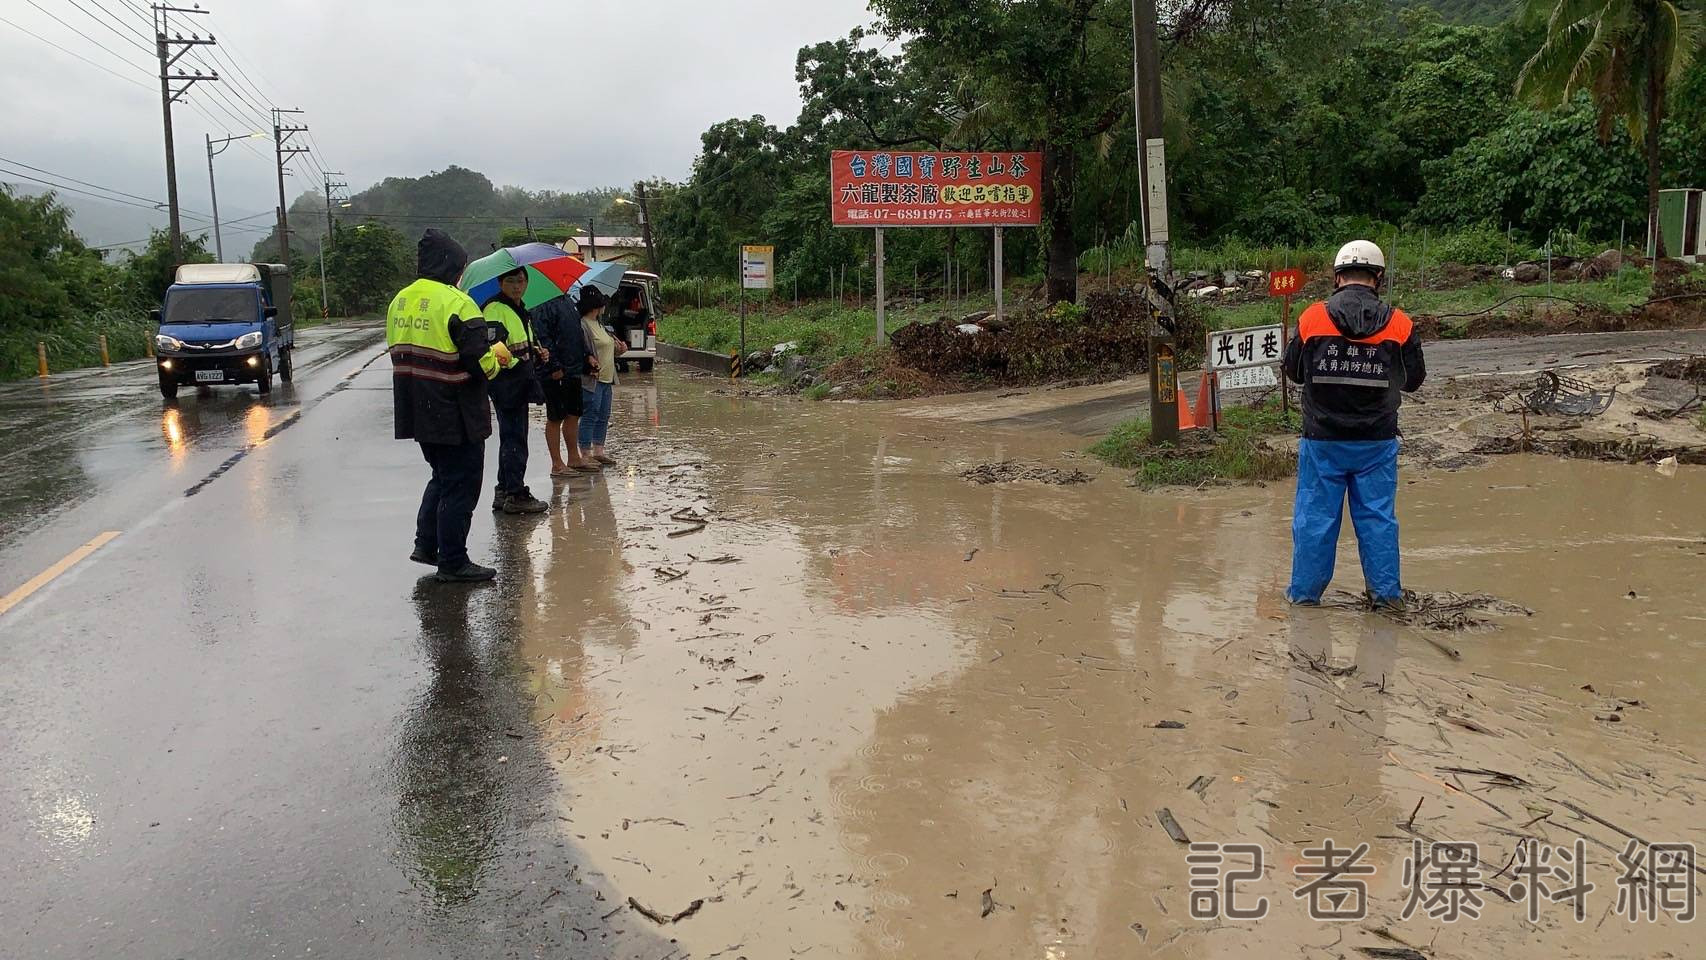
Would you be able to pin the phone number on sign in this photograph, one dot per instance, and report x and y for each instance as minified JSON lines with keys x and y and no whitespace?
{"x":933,"y":215}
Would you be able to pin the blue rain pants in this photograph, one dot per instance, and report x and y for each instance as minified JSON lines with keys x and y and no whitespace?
{"x":1327,"y":470}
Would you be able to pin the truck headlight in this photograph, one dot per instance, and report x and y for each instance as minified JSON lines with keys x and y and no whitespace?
{"x":248,"y":341}
{"x":165,"y":343}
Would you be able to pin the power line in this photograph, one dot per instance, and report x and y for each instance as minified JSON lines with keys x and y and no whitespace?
{"x":73,"y":53}
{"x":230,"y":62}
{"x":61,"y":186}
{"x":143,"y":42}
{"x":237,"y":64}
{"x":232,"y":86}
{"x":80,"y":33}
{"x":146,"y":38}
{"x":61,"y":176}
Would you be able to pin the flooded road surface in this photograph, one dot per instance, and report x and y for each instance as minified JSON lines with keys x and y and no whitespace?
{"x":783,"y":684}
{"x":867,"y":691}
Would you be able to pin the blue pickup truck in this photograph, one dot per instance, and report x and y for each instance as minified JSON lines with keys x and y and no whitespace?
{"x":225,"y":323}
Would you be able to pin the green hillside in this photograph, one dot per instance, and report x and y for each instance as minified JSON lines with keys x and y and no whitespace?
{"x":1471,"y":11}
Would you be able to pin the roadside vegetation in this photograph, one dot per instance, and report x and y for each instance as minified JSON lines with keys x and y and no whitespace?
{"x":1237,"y":453}
{"x":1409,"y":132}
{"x":58,"y":292}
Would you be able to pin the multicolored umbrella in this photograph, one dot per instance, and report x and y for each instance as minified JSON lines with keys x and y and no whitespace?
{"x":550,"y":273}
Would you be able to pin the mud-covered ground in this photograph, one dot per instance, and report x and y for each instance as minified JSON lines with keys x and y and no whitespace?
{"x":871,"y":708}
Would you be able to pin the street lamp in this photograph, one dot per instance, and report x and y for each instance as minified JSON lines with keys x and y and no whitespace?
{"x":212,"y":191}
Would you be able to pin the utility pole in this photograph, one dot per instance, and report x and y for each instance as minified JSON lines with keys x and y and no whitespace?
{"x":331,"y":187}
{"x":282,"y":154}
{"x":1152,"y":173}
{"x":213,"y":191}
{"x":169,"y":50}
{"x":213,"y":195}
{"x":591,"y":240}
{"x":646,"y":232}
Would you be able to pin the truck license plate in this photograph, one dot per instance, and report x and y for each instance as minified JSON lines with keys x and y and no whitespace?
{"x":210,"y":376}
{"x":637,"y":339}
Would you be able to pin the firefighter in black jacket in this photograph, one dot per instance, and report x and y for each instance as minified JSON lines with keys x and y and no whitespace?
{"x":1354,"y":356}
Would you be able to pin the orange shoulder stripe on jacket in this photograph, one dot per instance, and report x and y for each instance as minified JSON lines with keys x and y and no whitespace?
{"x":1314,"y":322}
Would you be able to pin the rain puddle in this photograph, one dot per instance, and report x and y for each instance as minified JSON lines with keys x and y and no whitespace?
{"x":812,"y":692}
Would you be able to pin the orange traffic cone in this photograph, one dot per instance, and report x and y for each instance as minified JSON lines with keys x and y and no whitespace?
{"x":1205,"y":401}
{"x":1186,"y":420}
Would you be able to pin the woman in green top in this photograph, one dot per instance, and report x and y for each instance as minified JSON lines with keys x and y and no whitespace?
{"x":511,"y":391}
{"x":597,"y":386}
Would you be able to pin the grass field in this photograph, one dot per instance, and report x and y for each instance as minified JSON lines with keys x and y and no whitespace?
{"x":824,"y":330}
{"x":1236,"y":454}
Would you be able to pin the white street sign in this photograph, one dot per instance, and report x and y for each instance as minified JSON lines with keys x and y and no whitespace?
{"x":1249,"y":347}
{"x":1245,"y":378}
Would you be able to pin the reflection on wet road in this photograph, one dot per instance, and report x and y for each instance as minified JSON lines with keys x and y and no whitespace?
{"x":782,"y":663}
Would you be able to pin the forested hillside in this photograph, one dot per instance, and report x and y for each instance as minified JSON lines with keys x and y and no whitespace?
{"x":1484,"y":12}
{"x":461,"y":201}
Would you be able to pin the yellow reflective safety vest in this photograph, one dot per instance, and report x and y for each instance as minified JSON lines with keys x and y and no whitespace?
{"x":440,"y":362}
{"x":499,"y":313}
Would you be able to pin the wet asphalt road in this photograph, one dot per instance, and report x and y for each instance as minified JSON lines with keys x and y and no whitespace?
{"x":241,"y":728}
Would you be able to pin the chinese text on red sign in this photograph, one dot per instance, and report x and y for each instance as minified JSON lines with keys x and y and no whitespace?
{"x":886,"y":189}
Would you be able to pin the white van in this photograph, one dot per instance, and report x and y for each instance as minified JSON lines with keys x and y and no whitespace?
{"x":632,"y":317}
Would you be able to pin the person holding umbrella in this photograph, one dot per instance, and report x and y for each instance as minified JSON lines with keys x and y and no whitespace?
{"x":512,"y":390}
{"x":510,"y":282}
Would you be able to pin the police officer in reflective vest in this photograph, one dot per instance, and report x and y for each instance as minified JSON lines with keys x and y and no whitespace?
{"x":440,"y":362}
{"x":1354,"y":355}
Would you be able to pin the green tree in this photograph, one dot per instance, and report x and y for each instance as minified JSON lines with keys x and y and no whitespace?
{"x":1050,"y":73}
{"x":1538,"y":170}
{"x":365,"y":266}
{"x":149,"y":273}
{"x":1623,"y":54}
{"x":35,"y":240}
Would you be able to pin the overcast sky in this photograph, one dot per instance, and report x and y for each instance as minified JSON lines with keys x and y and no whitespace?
{"x":560,"y":95}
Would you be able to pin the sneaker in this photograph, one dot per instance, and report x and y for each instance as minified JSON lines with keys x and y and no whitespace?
{"x":422,"y":556}
{"x":1390,"y":604}
{"x":469,"y":572}
{"x":523,"y":501}
{"x":499,"y":498}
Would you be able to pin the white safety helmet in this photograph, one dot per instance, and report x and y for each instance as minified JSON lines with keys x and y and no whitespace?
{"x":1360,"y":254}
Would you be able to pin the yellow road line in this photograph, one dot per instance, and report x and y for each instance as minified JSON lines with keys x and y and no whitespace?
{"x":47,"y":576}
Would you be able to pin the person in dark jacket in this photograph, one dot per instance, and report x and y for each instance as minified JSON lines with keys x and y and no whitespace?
{"x":441,"y":361}
{"x":1354,"y":356}
{"x":512,"y":391}
{"x":557,"y":324}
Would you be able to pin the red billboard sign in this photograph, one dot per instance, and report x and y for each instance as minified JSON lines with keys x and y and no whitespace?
{"x":1285,"y":283}
{"x":879,"y":188}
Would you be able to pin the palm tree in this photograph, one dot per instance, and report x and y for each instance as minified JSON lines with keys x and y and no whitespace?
{"x":1624,"y":54}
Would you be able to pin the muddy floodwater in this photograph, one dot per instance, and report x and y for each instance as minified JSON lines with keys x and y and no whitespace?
{"x":805,"y":686}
